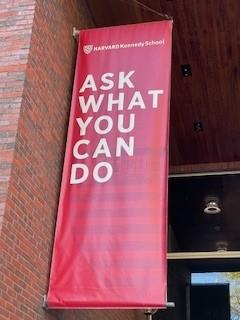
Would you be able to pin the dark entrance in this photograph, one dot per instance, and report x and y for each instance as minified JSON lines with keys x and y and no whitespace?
{"x":210,"y":302}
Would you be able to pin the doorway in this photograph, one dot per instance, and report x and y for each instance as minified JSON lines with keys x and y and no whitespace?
{"x":204,"y":242}
{"x":215,"y":295}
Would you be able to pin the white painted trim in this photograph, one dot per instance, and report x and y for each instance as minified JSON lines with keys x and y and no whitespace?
{"x":200,"y":174}
{"x":203,"y":255}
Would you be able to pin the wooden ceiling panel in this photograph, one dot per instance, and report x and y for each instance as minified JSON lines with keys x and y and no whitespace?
{"x":207,"y":36}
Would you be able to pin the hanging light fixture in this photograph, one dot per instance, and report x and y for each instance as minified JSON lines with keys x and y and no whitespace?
{"x":221,"y":246}
{"x":212,"y":205}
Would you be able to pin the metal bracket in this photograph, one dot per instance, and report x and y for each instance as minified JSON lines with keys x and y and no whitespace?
{"x":44,"y":305}
{"x":75,"y":33}
{"x":150,"y":312}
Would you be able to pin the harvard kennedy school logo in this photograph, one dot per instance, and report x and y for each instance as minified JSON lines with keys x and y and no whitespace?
{"x":88,"y":48}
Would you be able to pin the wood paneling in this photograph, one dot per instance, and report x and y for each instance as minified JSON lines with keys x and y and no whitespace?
{"x":205,"y":167}
{"x":206,"y":36}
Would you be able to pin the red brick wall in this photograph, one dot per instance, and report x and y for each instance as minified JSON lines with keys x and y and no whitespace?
{"x":38,"y":84}
{"x":15,"y":32}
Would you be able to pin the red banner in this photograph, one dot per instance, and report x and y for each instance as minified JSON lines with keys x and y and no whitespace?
{"x":110,"y":242}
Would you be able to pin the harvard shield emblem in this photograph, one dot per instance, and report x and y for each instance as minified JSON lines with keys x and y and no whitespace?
{"x":88,"y":48}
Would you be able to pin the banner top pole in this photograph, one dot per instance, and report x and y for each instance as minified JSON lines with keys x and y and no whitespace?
{"x":147,"y":8}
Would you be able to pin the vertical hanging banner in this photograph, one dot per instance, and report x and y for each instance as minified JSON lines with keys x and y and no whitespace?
{"x":110,"y":242}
